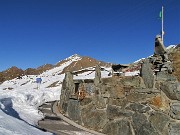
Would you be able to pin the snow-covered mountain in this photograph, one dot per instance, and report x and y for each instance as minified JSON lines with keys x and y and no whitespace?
{"x":20,"y":97}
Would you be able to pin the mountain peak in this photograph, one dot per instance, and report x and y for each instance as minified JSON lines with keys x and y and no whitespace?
{"x":74,"y":56}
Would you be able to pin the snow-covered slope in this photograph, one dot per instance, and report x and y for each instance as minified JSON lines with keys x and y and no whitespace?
{"x":20,"y":98}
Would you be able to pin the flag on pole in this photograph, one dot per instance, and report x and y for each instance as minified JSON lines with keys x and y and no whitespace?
{"x":160,"y":14}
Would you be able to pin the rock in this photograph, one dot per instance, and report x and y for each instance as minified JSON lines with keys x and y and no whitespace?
{"x":164,"y":76}
{"x":137,"y":97}
{"x":119,"y":127}
{"x":97,"y":78}
{"x":147,"y":90}
{"x":93,"y":118}
{"x":174,"y":128}
{"x":142,"y":126}
{"x":73,"y":110}
{"x":147,"y":74}
{"x":86,"y":101}
{"x":117,"y":92}
{"x":138,"y":107}
{"x":100,"y":102}
{"x":118,"y":102}
{"x":171,"y":89}
{"x":160,"y":122}
{"x":89,"y":87}
{"x":67,"y":90}
{"x":133,"y":82}
{"x":168,"y":66}
{"x":175,"y":110}
{"x":114,"y":112}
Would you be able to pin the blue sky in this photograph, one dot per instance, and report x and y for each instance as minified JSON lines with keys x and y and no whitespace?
{"x":36,"y":32}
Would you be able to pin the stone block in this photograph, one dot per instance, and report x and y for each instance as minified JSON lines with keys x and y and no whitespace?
{"x":73,"y":110}
{"x":118,"y":102}
{"x":165,"y":76}
{"x":93,"y":118}
{"x":171,"y":89}
{"x":147,"y":74}
{"x":99,"y":101}
{"x":175,"y":110}
{"x":137,"y":97}
{"x":118,"y":127}
{"x":142,"y":126}
{"x":114,"y":112}
{"x":160,"y":122}
{"x":174,"y":128}
{"x":136,"y":107}
{"x":133,"y":82}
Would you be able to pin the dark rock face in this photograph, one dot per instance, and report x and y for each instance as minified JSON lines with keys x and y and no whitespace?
{"x":119,"y":127}
{"x":147,"y":74}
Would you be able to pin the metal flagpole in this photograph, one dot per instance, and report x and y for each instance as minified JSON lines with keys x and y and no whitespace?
{"x":162,"y":25}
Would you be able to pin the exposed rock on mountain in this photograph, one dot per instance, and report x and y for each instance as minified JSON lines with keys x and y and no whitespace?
{"x":10,"y":73}
{"x":39,"y":70}
{"x":84,"y":62}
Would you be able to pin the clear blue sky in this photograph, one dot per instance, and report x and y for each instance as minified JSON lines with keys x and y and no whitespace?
{"x":36,"y":32}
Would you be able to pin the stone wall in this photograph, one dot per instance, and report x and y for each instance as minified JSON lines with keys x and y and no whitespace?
{"x":148,"y":104}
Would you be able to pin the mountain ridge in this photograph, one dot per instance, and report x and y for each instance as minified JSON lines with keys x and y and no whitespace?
{"x":78,"y":62}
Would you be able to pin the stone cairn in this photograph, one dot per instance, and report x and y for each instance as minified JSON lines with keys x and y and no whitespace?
{"x":148,"y":104}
